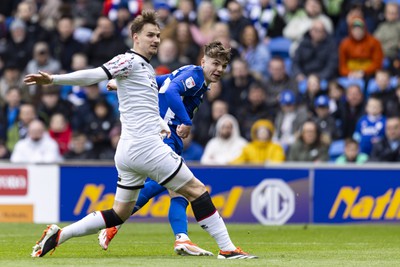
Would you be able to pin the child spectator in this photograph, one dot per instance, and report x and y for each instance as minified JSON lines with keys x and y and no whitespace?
{"x":351,"y":153}
{"x":370,"y":128}
{"x":60,"y":131}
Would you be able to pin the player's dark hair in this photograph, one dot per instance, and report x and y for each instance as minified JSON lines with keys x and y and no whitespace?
{"x":216,"y":49}
{"x":147,"y":17}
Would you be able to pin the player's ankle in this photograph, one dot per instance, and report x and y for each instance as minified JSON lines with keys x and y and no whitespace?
{"x":182,"y":236}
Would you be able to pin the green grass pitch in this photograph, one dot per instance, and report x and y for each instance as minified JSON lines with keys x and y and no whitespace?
{"x":139,"y":244}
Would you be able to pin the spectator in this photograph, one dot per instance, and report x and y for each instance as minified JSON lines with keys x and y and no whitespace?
{"x":297,"y":27}
{"x":293,"y":10}
{"x":235,"y":87}
{"x":27,"y":12}
{"x":351,"y":110}
{"x":42,"y":61}
{"x":79,"y":148}
{"x":18,"y":48}
{"x":188,"y":50}
{"x":351,"y":153}
{"x":60,"y":131}
{"x":192,"y":151}
{"x":166,"y":19}
{"x":316,"y":54}
{"x":38,"y":147}
{"x":236,"y":21}
{"x":218,"y":109}
{"x":309,"y":146}
{"x":227,"y":143}
{"x":108,"y":152}
{"x":261,"y":150}
{"x":278,"y":80}
{"x":289,"y":119}
{"x":388,"y":148}
{"x":63,"y":45}
{"x":313,"y":90}
{"x":104,"y":43}
{"x":19,"y":130}
{"x":203,"y":31}
{"x":376,"y":10}
{"x":266,"y":16}
{"x":12,"y":77}
{"x":98,"y":125}
{"x":256,"y":109}
{"x":354,"y":8}
{"x":370,"y":127}
{"x":203,"y":118}
{"x":11,"y":106}
{"x":51,"y":103}
{"x":388,"y":32}
{"x":91,"y":95}
{"x":360,"y":54}
{"x":337,"y":97}
{"x":325,"y":121}
{"x":186,"y":11}
{"x":384,"y":90}
{"x":255,"y":53}
{"x":86,"y":13}
{"x":167,"y":56}
{"x":393,"y":105}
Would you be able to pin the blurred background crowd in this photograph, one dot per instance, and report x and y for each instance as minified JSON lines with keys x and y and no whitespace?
{"x":309,"y":81}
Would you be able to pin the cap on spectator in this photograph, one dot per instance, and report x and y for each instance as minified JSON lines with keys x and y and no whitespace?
{"x":287,"y":97}
{"x":161,"y":5}
{"x":17,"y":24}
{"x":322,"y":101}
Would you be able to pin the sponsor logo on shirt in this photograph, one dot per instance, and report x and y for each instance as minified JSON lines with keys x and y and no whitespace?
{"x":190,"y":82}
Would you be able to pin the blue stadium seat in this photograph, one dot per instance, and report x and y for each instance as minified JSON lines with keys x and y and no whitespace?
{"x":336,"y":149}
{"x":345,"y":82}
{"x":279,"y":46}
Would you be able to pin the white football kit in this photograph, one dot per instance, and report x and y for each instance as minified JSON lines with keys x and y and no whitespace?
{"x":141,"y":153}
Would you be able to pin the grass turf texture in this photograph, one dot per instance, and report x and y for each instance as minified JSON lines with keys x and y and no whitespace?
{"x":140,"y":244}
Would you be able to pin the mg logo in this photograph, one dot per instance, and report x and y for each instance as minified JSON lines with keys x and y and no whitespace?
{"x":272,"y":202}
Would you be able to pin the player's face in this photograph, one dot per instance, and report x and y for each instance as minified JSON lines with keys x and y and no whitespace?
{"x":213,"y":68}
{"x":147,"y":41}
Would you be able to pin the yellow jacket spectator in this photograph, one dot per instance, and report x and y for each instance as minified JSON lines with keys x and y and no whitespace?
{"x":261,"y":149}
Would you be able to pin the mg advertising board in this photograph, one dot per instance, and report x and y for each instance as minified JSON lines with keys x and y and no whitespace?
{"x":342,"y":196}
{"x":249,"y":195}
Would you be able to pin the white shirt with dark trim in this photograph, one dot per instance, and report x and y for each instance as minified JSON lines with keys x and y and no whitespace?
{"x":137,"y":94}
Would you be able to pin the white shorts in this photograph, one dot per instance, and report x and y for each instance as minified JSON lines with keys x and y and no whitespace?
{"x":136,"y":160}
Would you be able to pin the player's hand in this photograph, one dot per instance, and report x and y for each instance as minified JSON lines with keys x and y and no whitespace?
{"x":111,"y":85}
{"x":165,"y":130}
{"x":183,"y":130}
{"x":41,"y":78}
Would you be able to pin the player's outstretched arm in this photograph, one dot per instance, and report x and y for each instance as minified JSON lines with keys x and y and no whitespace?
{"x":40,"y":78}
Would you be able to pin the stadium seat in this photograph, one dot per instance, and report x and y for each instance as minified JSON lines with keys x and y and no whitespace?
{"x":279,"y":46}
{"x":336,"y":149}
{"x":345,"y":82}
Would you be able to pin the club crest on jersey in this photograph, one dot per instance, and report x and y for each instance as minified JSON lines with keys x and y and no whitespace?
{"x":190,"y":82}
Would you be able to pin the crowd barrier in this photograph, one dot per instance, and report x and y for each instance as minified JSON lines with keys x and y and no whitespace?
{"x":270,"y":195}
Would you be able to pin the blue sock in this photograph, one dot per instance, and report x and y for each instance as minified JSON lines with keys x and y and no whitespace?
{"x":150,"y":190}
{"x":177,"y":215}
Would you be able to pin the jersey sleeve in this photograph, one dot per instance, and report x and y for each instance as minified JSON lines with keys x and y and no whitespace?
{"x":119,"y":66}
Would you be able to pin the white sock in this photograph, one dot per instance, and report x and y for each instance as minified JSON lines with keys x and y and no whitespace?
{"x":215,"y":226}
{"x":182,"y":237}
{"x":88,"y":225}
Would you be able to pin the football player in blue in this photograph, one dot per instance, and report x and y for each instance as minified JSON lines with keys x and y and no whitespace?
{"x":180,"y":95}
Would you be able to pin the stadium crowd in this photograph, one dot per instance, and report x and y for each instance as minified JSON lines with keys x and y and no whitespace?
{"x":311,"y":80}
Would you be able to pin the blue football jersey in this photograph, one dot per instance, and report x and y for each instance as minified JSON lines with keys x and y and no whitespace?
{"x":180,"y":94}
